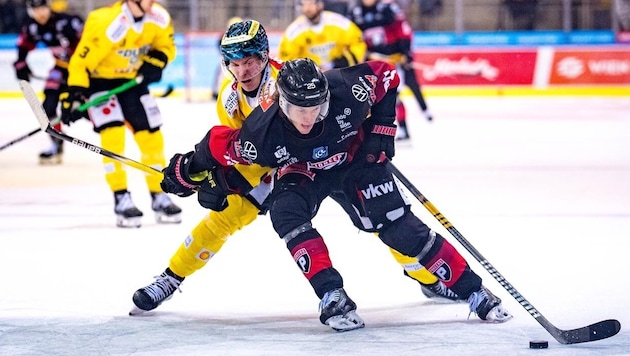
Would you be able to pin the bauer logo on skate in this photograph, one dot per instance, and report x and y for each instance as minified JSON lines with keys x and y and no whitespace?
{"x":86,"y":145}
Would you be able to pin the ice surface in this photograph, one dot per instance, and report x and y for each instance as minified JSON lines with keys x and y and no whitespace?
{"x":540,"y":186}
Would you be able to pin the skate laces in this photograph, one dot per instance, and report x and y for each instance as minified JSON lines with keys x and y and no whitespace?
{"x":162,"y":288}
{"x":475,"y":299}
{"x":161,"y":201}
{"x":329,"y":298}
{"x":124,"y":202}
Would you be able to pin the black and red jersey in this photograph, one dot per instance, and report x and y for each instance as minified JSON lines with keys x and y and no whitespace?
{"x":267,"y":137}
{"x":60,"y":34}
{"x":385,"y":27}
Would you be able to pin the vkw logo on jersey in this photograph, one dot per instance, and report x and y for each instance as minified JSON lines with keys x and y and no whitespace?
{"x":374,"y":191}
{"x":249,"y":151}
{"x":320,"y":152}
{"x":303,"y":260}
{"x":442,"y":270}
{"x":359,"y":93}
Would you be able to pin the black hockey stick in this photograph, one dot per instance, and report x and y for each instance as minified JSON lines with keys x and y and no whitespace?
{"x":40,"y":114}
{"x":601,"y":330}
{"x":85,"y":106}
{"x":169,"y":90}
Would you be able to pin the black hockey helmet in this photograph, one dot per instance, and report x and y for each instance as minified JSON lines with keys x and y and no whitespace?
{"x":31,"y":4}
{"x":244,"y":39}
{"x":301,"y":83}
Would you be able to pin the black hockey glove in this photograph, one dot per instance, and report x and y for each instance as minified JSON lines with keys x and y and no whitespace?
{"x":154,"y":63}
{"x":177,"y":178}
{"x":70,"y":102}
{"x":378,"y":143}
{"x":221,"y":182}
{"x":22,"y":70}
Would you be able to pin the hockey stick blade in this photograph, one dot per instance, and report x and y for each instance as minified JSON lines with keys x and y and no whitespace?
{"x":40,"y":114}
{"x":169,"y":90}
{"x":601,"y":330}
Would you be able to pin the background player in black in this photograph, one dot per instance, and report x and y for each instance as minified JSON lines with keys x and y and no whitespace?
{"x":388,"y":36}
{"x":331,"y":143}
{"x":60,"y":32}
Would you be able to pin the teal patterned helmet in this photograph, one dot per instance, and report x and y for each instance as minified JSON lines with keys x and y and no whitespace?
{"x":244,"y":39}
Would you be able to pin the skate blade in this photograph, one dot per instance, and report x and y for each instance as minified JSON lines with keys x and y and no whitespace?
{"x":128,"y":222}
{"x":162,"y":218}
{"x":498,"y":314}
{"x":350,"y":321}
{"x":50,"y":161}
{"x":135,"y":311}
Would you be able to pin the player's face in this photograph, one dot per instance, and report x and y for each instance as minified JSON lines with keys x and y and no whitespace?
{"x":41,"y":14}
{"x":312,"y":9}
{"x":247,"y":71}
{"x":369,"y":3}
{"x":303,"y":118}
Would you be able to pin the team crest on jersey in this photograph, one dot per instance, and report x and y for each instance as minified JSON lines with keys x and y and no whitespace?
{"x":320,"y":152}
{"x":303,"y":260}
{"x":332,"y":161}
{"x":442,"y":270}
{"x":249,"y":151}
{"x":359,"y":93}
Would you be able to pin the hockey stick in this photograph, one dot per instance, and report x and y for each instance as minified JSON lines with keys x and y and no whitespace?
{"x":169,"y":90}
{"x":40,"y":114}
{"x":601,"y":330}
{"x":85,"y":106}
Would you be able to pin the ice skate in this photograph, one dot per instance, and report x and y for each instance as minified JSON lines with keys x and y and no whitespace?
{"x":339,"y":311}
{"x":487,"y":306}
{"x":150,"y":297}
{"x":402,"y":134}
{"x":127,"y":215}
{"x":166,"y":212}
{"x":439,"y":292}
{"x":52,"y":155}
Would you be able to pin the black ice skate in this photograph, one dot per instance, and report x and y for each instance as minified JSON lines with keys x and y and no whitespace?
{"x":127,"y":215}
{"x":487,"y":306}
{"x":166,"y":212}
{"x":150,"y":297}
{"x":439,"y":292}
{"x":52,"y":155}
{"x":339,"y":311}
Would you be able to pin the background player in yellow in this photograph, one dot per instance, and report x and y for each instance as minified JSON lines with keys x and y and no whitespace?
{"x":326,"y":37}
{"x":120,"y":42}
{"x":245,"y":55}
{"x":250,"y":72}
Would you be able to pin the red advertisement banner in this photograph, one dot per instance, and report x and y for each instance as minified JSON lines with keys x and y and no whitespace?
{"x":590,"y":66}
{"x":457,"y":67}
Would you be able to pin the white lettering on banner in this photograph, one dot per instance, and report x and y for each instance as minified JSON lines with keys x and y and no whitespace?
{"x":377,"y":191}
{"x":611,"y":67}
{"x":328,"y":163}
{"x":444,"y":67}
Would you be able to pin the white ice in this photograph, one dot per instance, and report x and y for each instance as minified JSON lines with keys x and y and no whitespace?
{"x":539,"y":185}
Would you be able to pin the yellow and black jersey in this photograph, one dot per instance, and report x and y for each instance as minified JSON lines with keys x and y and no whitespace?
{"x":112,"y":44}
{"x":333,"y":38}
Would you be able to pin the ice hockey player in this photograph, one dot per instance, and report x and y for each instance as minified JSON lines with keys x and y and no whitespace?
{"x":60,"y":32}
{"x":388,"y":36}
{"x":328,"y":135}
{"x":120,"y":42}
{"x":245,"y":55}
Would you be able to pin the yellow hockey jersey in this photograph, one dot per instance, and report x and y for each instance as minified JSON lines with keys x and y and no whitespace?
{"x":112,"y":44}
{"x":333,"y":37}
{"x":233,"y":107}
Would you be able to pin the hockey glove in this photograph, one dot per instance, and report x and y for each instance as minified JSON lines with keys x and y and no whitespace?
{"x":154,"y":63}
{"x":221,"y":182}
{"x":177,"y":178}
{"x":378,"y":143}
{"x":70,"y":102}
{"x":22,"y":70}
